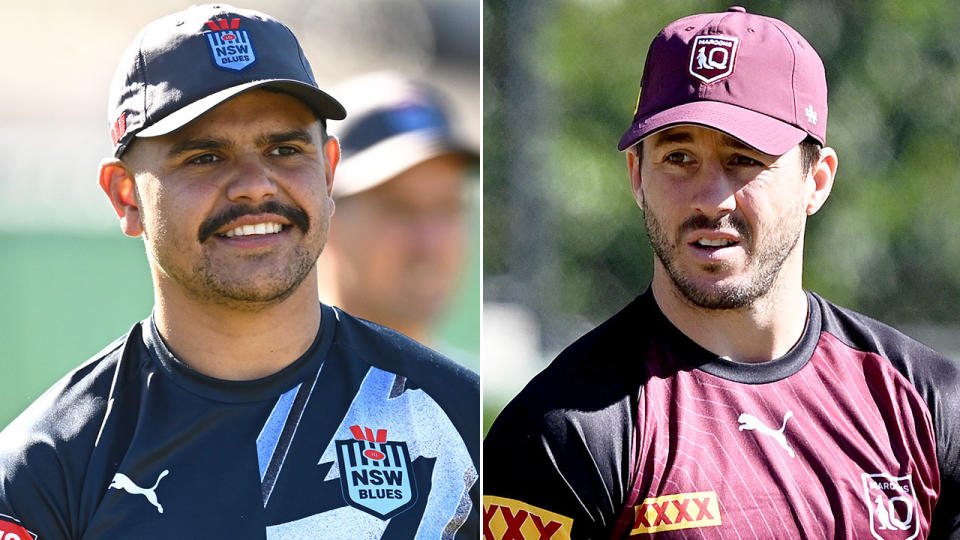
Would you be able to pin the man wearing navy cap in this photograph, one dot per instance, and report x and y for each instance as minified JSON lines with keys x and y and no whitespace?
{"x":726,"y":401}
{"x":398,"y":241}
{"x":242,"y":407}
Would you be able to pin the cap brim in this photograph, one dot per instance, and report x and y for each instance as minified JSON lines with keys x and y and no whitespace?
{"x":766,"y":134}
{"x":391,"y":157}
{"x":322,"y":104}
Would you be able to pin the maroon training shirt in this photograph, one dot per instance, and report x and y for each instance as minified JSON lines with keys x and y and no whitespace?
{"x":636,"y":431}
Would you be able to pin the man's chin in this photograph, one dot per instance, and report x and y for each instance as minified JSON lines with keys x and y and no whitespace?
{"x":249,"y":298}
{"x":715,"y":294}
{"x":254,"y":290}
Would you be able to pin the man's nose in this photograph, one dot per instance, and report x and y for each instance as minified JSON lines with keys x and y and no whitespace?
{"x":252,"y":181}
{"x":715,"y":191}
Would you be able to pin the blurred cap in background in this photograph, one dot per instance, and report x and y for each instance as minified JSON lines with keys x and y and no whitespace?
{"x":395,"y":123}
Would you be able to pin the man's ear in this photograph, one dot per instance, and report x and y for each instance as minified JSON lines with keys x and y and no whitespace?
{"x":821,"y":180}
{"x":116,"y":180}
{"x":633,"y":166}
{"x":331,"y":149}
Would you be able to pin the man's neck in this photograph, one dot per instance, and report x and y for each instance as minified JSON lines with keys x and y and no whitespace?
{"x":763,"y":331}
{"x":234,"y":344}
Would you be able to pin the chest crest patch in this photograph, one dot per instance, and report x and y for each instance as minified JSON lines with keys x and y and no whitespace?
{"x":376,"y":475}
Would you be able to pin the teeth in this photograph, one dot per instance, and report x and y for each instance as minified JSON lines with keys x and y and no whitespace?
{"x":714,"y":243}
{"x":259,"y":228}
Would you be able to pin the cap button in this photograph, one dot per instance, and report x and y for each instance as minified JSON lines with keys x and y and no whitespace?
{"x":738,"y":9}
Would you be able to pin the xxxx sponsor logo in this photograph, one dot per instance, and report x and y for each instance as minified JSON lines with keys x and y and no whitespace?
{"x":510,"y":519}
{"x":673,"y":512}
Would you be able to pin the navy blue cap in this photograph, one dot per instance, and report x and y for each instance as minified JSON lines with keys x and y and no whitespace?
{"x":184,"y":64}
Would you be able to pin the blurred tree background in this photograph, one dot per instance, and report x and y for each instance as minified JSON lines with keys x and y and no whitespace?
{"x":563,"y":239}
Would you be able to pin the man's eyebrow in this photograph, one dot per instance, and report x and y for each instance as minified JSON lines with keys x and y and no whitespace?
{"x":190,"y":145}
{"x":734,"y":142}
{"x":300,"y":135}
{"x":671,"y":137}
{"x":674,"y":137}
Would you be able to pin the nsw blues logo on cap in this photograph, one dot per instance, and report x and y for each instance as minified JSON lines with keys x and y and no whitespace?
{"x":230,"y":47}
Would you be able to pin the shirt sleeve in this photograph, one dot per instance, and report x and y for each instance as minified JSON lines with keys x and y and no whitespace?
{"x":556,"y":471}
{"x":45,"y":457}
{"x":936,"y":378}
{"x":943,"y":399}
{"x":32,"y":504}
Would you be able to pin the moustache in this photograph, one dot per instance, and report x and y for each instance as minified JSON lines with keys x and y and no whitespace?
{"x":295,"y":215}
{"x":724,"y":222}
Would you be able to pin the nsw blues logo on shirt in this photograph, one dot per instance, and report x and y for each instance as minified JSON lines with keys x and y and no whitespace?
{"x":376,"y":474}
{"x":230,"y":47}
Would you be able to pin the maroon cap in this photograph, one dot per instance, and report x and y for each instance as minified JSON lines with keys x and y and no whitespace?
{"x":750,"y":76}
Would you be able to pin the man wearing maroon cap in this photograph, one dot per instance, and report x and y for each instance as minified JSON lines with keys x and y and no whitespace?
{"x":726,"y":398}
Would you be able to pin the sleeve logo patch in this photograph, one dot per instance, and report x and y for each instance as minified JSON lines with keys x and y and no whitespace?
{"x":674,"y":512}
{"x":10,"y":529}
{"x":510,"y":519}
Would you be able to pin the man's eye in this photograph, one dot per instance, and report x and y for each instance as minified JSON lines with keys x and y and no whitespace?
{"x":747,"y":161}
{"x":677,"y":158}
{"x":204,"y":159}
{"x":284,"y":151}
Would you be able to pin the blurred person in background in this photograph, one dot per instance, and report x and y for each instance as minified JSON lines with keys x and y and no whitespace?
{"x":726,"y":401}
{"x":398,"y":238}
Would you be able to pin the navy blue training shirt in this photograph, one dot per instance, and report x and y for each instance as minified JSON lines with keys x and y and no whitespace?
{"x":367,"y":435}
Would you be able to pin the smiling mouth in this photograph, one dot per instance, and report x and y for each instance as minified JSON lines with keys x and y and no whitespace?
{"x":283,"y":217}
{"x":255,"y":229}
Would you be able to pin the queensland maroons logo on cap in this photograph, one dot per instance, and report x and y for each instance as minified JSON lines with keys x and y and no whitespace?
{"x":230,"y":47}
{"x":712,"y":57}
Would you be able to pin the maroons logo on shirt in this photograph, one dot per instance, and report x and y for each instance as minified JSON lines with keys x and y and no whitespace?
{"x":376,"y":475}
{"x":892,"y":505}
